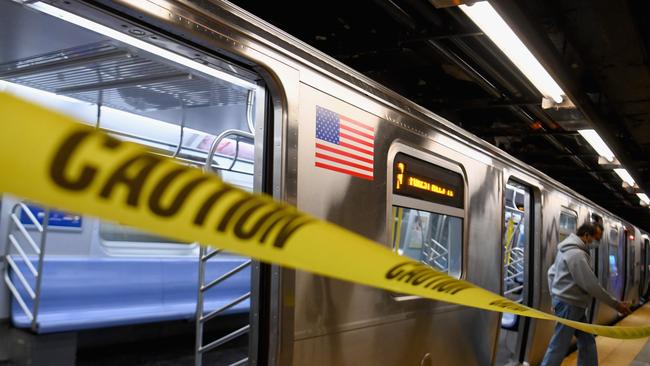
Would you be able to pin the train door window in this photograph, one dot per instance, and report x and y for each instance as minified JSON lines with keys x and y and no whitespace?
{"x":632,"y":264}
{"x":568,"y":223}
{"x":232,"y":158}
{"x":429,"y":237}
{"x":427,"y":213}
{"x":615,"y":266}
{"x":613,"y":253}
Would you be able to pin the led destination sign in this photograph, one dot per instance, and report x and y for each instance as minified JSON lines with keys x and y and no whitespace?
{"x":424,"y":185}
{"x":418,"y":179}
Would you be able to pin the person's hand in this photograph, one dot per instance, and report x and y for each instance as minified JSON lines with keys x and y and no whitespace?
{"x":623,"y":307}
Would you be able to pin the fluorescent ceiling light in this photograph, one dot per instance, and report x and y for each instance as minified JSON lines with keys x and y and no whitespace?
{"x":138,"y":43}
{"x":625,"y":176}
{"x":598,"y":144}
{"x":491,"y":23}
{"x":644,"y":197}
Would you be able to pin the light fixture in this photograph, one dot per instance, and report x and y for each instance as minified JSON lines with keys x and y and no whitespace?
{"x":491,"y":23}
{"x":644,"y":198}
{"x":625,"y":176}
{"x":598,"y":144}
{"x":138,"y":43}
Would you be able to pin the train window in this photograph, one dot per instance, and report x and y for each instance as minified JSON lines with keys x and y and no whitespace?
{"x":158,"y":90}
{"x":568,"y":223}
{"x":431,"y":238}
{"x":613,"y":253}
{"x":234,"y":154}
{"x":427,"y":212}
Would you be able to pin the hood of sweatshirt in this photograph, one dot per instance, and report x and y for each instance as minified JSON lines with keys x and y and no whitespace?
{"x":573,"y":241}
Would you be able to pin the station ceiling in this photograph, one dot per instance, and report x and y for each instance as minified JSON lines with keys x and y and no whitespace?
{"x":597,"y":50}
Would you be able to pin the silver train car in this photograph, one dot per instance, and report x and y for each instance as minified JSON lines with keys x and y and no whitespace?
{"x":213,"y":86}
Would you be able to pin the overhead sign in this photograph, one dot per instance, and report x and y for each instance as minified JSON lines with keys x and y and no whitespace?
{"x":422,"y":180}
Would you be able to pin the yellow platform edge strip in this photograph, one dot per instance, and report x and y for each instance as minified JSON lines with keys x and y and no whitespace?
{"x":54,"y":160}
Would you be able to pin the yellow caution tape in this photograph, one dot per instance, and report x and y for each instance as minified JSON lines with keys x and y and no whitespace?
{"x":50,"y":158}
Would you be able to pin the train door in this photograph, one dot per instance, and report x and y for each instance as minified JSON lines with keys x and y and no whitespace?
{"x":645,"y":268}
{"x":611,"y":272}
{"x":595,"y":264}
{"x":568,"y":223}
{"x":194,"y":104}
{"x":643,"y":285}
{"x":615,"y":267}
{"x":428,"y":218}
{"x":517,"y":257}
{"x":632,"y":265}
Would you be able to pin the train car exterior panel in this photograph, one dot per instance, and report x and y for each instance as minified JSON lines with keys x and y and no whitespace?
{"x":325,"y":307}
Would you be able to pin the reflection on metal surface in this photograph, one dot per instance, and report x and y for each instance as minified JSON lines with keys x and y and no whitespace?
{"x":121,"y":79}
{"x":148,"y":47}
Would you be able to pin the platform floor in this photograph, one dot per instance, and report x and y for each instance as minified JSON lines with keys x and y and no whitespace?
{"x":616,"y":352}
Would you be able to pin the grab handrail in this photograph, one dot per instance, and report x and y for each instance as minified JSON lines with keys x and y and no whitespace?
{"x":36,"y":272}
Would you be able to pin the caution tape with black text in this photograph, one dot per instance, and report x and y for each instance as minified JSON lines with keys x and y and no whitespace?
{"x":75,"y":167}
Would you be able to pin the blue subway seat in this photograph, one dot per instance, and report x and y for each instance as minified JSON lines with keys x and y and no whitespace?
{"x":87,"y":293}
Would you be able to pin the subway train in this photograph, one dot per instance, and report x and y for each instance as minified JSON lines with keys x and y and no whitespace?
{"x":215,"y":87}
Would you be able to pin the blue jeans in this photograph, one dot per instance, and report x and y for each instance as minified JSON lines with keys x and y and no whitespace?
{"x":561,"y":341}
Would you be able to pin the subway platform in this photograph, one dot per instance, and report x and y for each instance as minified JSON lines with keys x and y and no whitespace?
{"x":618,"y":352}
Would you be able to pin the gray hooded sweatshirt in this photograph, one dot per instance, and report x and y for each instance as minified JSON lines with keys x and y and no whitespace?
{"x":571,"y":278}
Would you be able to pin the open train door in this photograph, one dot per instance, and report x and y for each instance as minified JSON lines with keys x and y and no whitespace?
{"x":518,"y":256}
{"x":184,"y":63}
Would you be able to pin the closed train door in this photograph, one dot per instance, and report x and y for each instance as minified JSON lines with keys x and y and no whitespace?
{"x":632,"y":265}
{"x":612,"y":269}
{"x":645,"y":273}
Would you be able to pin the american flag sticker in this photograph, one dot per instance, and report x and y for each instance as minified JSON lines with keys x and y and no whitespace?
{"x":344,"y":145}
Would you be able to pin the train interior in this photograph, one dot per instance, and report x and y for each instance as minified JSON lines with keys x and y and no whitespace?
{"x":517,"y":222}
{"x":196,"y":108}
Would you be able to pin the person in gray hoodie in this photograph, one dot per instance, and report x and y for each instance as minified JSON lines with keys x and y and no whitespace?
{"x":573,"y":284}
